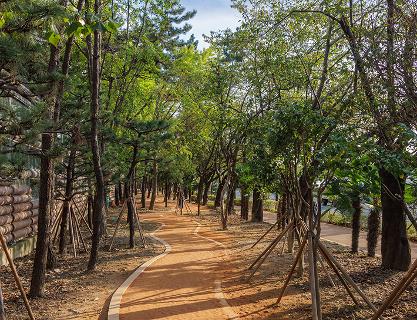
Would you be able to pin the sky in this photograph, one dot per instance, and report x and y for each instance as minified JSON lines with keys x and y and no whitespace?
{"x":212,"y":15}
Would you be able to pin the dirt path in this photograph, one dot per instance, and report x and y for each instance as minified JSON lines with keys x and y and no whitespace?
{"x":343,"y":235}
{"x":185,"y":283}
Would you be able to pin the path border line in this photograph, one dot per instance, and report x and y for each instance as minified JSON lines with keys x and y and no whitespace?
{"x":218,"y":292}
{"x":116,"y":299}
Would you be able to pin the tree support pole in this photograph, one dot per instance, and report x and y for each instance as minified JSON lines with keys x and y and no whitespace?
{"x":399,"y":289}
{"x":117,"y":225}
{"x":294,"y":265}
{"x":347,"y":277}
{"x":274,"y":242}
{"x":16,"y":277}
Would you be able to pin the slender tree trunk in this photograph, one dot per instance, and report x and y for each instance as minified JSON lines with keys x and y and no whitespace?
{"x":143,"y":192}
{"x":95,"y":143}
{"x":356,"y":222}
{"x":154,"y":185}
{"x":199,"y":194}
{"x":66,"y":204}
{"x":244,"y":203}
{"x":231,"y":196}
{"x":206,"y":192}
{"x":116,"y":196}
{"x":374,"y":221}
{"x":120,"y":190}
{"x":45,"y":191}
{"x":395,"y":248}
{"x":166,"y":194}
{"x":217,"y":201}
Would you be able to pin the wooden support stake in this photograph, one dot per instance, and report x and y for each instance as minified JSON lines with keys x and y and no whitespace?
{"x":71,"y":227}
{"x":347,"y":277}
{"x":275,"y":241}
{"x":117,"y":225}
{"x":294,"y":265}
{"x":342,"y":280}
{"x":16,"y":277}
{"x":263,"y":236}
{"x":77,"y":227}
{"x":82,"y":217}
{"x":399,"y":289}
{"x":268,"y":252}
{"x":136,"y":214}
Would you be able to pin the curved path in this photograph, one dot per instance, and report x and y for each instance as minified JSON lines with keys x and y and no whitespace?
{"x":185,"y":283}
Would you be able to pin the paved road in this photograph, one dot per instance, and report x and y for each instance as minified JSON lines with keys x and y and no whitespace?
{"x":185,"y":283}
{"x":342,"y":235}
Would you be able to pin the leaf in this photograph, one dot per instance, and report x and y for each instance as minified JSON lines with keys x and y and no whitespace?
{"x":111,"y":26}
{"x":74,"y":28}
{"x":53,"y":38}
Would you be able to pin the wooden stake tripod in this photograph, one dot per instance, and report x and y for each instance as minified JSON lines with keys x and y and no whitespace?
{"x":17,"y":280}
{"x":136,"y":217}
{"x":316,"y":248}
{"x":74,"y":222}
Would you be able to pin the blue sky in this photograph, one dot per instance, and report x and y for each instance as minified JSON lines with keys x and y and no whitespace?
{"x":212,"y":15}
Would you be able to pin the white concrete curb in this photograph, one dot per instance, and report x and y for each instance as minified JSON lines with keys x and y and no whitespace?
{"x":114,"y":307}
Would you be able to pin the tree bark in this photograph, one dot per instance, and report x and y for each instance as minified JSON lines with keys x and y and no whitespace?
{"x":257,"y":206}
{"x":356,"y":222}
{"x":206,"y":192}
{"x":217,"y":201}
{"x":395,"y":248}
{"x":45,"y":191}
{"x":116,"y":196}
{"x":154,"y":185}
{"x":199,"y":194}
{"x":143,"y":192}
{"x":94,"y":55}
{"x":66,"y":205}
{"x":244,"y":203}
{"x":374,"y":221}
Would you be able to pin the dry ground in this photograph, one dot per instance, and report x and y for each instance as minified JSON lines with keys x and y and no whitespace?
{"x":73,"y":293}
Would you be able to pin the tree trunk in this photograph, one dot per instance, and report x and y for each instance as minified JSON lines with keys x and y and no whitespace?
{"x":143,"y":192}
{"x":166,"y":194}
{"x":395,"y":248}
{"x":90,"y":205}
{"x":206,"y":192}
{"x":356,"y":222}
{"x":199,"y":194}
{"x":217,"y":201}
{"x":244,"y":203}
{"x":66,"y":204}
{"x":257,"y":206}
{"x":120,"y":190}
{"x":231,"y":196}
{"x":374,"y":221}
{"x":45,"y":190}
{"x":154,"y":185}
{"x":95,"y":143}
{"x":130,"y":217}
{"x":116,"y":196}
